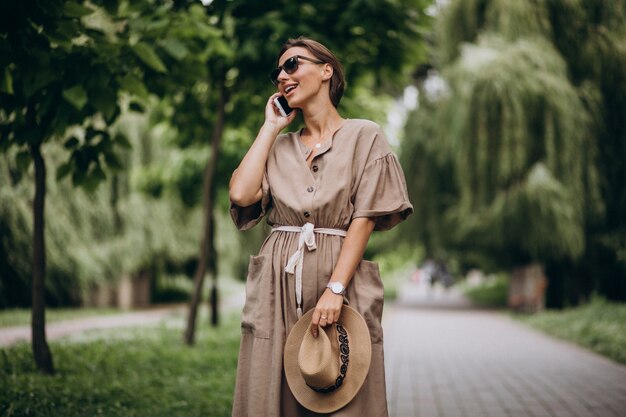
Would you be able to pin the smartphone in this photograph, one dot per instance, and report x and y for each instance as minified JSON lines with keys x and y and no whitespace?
{"x":283,"y":106}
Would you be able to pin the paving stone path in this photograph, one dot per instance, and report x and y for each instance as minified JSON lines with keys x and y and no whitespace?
{"x":445,"y":359}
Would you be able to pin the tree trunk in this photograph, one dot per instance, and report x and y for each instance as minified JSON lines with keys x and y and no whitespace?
{"x":527,"y":287}
{"x":212,"y":269}
{"x":206,"y":246}
{"x":118,"y":223}
{"x":41,"y":351}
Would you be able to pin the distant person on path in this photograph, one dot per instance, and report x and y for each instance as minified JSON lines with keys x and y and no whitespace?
{"x":324,"y":188}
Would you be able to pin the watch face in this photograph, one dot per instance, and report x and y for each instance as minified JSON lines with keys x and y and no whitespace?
{"x":336,"y":287}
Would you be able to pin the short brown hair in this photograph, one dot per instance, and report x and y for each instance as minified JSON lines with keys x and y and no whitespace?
{"x":319,"y":51}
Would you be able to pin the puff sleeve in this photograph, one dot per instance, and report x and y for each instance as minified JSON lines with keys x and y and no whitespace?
{"x":382,"y":193}
{"x":247,"y":217}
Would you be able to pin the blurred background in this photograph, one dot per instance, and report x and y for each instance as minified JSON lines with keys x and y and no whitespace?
{"x":121,"y":122}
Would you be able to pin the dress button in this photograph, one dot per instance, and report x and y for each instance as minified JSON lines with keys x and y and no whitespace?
{"x":307,"y":214}
{"x":314,"y":168}
{"x":310,"y":189}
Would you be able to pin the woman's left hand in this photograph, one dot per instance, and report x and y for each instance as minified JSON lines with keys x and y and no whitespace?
{"x":327,"y":311}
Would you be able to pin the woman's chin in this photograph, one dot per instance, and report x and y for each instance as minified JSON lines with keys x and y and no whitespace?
{"x":294,"y":103}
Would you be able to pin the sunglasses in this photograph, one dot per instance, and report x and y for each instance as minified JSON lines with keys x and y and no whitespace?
{"x":290,"y":66}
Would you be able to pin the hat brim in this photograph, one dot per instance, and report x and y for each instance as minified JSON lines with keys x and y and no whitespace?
{"x":358,"y":367}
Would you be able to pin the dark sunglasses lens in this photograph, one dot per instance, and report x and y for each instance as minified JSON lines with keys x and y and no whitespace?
{"x":291,"y":65}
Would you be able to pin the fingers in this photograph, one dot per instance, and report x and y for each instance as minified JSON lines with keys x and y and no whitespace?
{"x":270,"y":107}
{"x":314,"y":330}
{"x":319,"y":319}
{"x":315,"y":321}
{"x":327,"y":311}
{"x":272,"y":114}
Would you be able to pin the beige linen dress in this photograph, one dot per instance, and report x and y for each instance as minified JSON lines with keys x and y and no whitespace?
{"x":355,"y":174}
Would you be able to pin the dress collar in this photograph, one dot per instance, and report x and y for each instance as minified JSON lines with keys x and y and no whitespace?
{"x":325,"y":145}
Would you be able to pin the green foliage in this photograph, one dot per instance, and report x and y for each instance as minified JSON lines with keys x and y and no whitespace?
{"x":520,"y":155}
{"x":130,"y":372}
{"x":534,"y":217}
{"x":431,"y":183}
{"x":599,"y":325}
{"x":73,"y":75}
{"x":179,"y":172}
{"x":464,"y":21}
{"x":75,"y":71}
{"x":60,"y":76}
{"x":93,"y":238}
{"x":492,"y":293}
{"x":522,"y":171}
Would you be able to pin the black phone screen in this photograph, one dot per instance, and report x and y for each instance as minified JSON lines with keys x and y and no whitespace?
{"x":281,"y":102}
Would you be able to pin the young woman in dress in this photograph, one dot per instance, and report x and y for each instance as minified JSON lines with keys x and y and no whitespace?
{"x":324,"y":189}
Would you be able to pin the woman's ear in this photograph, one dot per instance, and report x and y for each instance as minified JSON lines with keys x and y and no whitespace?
{"x":327,"y":72}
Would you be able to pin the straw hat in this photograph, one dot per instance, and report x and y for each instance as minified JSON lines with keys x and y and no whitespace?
{"x":326,"y":372}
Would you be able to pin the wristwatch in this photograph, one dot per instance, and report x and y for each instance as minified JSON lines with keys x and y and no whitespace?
{"x":336,"y":288}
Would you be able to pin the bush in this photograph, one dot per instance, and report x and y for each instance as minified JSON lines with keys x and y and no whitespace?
{"x":599,"y":325}
{"x":492,"y":293}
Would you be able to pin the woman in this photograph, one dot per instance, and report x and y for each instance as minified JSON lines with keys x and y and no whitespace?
{"x":335,"y":173}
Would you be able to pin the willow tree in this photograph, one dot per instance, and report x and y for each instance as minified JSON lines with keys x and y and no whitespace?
{"x":518,"y":134}
{"x":523,"y":124}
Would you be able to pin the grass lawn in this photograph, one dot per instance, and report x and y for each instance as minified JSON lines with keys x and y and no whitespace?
{"x":131,"y":372}
{"x":599,"y":325}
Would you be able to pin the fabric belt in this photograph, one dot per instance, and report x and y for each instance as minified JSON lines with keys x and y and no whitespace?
{"x":295,"y":263}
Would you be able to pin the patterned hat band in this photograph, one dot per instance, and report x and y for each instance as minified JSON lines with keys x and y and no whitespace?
{"x":344,"y":353}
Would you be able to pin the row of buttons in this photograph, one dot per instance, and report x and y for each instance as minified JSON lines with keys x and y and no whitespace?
{"x":310,"y":189}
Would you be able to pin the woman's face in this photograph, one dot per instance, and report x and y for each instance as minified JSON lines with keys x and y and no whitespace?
{"x":306,"y":82}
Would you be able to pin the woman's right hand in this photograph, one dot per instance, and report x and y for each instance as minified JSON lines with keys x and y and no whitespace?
{"x":273,"y":116}
{"x":247,"y":180}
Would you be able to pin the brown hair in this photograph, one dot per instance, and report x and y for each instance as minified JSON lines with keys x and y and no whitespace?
{"x":319,"y":51}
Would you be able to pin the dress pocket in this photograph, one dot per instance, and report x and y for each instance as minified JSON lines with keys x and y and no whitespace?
{"x":366,"y":294}
{"x":256,"y":315}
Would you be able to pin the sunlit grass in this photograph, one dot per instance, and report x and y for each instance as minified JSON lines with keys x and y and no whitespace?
{"x":130,"y":372}
{"x":599,"y":325}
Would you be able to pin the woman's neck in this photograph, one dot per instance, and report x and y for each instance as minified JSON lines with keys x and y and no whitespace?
{"x":322,"y":122}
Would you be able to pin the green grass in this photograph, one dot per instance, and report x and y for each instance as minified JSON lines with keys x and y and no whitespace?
{"x":491,"y":294}
{"x":21,"y":316}
{"x":599,"y":325}
{"x":132,"y":372}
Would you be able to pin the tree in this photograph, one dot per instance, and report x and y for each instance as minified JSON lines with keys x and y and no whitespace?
{"x":69,"y":64}
{"x":522,"y":125}
{"x":44,"y":91}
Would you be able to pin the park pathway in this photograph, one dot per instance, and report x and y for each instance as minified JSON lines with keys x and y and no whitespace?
{"x":445,"y":359}
{"x":56,"y":330}
{"x":155,"y":315}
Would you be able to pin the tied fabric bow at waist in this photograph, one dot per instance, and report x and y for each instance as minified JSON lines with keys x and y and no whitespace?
{"x":295,"y":263}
